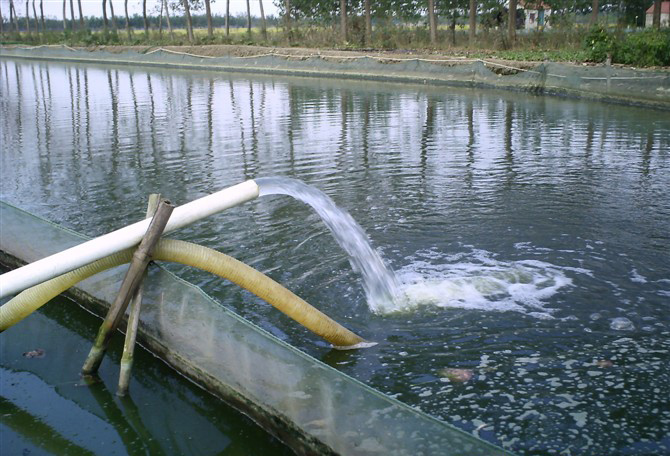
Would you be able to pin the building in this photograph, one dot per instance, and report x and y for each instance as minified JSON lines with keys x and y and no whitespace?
{"x":536,"y":13}
{"x":665,"y":15}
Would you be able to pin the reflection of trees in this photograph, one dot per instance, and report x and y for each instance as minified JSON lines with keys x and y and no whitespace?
{"x":37,"y":431}
{"x":426,"y":137}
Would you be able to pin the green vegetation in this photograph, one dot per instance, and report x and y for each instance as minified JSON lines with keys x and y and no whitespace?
{"x":650,"y":47}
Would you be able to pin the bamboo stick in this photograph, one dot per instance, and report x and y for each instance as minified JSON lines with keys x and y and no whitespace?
{"x":134,"y":317}
{"x":130,"y":283}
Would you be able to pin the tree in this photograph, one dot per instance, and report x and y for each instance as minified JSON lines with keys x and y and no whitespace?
{"x":287,"y":18}
{"x":125,"y":7}
{"x":189,"y":23}
{"x":82,"y":21}
{"x":473,"y":21}
{"x":594,"y":13}
{"x":37,"y":24}
{"x":167,"y":18}
{"x":28,"y":17}
{"x":65,"y":16}
{"x":227,"y":17}
{"x":146,"y":21}
{"x":368,"y":22}
{"x":42,"y":15}
{"x":343,"y":19}
{"x":13,"y":18}
{"x":264,"y":25}
{"x":72,"y":14}
{"x":511,"y":22}
{"x":432,"y":22}
{"x":111,"y":10}
{"x":208,"y":10}
{"x":104,"y":13}
{"x":248,"y":18}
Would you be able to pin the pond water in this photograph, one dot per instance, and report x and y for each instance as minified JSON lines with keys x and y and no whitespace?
{"x":48,"y":408}
{"x":530,"y":235}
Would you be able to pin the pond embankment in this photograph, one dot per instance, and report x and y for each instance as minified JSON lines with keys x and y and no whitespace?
{"x":611,"y":83}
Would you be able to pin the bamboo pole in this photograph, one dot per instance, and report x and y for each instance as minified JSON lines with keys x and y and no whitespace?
{"x":134,"y":317}
{"x":130,"y":283}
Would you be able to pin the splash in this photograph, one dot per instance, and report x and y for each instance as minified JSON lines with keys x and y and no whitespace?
{"x":379,"y":281}
{"x":477,"y":281}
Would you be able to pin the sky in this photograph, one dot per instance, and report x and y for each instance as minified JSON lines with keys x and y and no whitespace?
{"x":54,"y":8}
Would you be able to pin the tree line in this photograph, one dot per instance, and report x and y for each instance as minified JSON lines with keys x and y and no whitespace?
{"x":337,"y":13}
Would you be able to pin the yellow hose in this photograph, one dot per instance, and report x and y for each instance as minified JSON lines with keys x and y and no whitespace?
{"x":197,"y":256}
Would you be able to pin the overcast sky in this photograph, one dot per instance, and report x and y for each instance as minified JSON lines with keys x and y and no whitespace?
{"x":54,"y":8}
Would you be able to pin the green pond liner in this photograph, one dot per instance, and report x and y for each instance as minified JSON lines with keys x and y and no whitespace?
{"x":307,"y":404}
{"x":629,"y":86}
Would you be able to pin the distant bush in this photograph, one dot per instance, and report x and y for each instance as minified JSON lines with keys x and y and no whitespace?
{"x":648,"y":48}
{"x":598,"y":43}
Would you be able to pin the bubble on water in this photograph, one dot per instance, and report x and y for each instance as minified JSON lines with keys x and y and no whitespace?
{"x":622,"y":324}
{"x":476,"y":280}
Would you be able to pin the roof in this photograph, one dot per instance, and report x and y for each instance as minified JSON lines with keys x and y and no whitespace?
{"x":665,"y":8}
{"x":536,"y":4}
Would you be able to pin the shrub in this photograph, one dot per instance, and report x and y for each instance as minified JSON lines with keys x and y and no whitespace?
{"x":647,"y":48}
{"x":598,"y":43}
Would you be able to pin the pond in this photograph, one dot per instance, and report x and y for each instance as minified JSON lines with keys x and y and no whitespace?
{"x":530,"y":235}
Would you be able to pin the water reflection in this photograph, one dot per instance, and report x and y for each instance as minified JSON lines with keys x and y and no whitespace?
{"x":447,"y":183}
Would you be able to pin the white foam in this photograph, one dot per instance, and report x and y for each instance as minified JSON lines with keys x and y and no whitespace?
{"x":476,"y":280}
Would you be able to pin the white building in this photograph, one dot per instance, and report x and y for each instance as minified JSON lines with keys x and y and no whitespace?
{"x":665,"y":15}
{"x":536,"y":13}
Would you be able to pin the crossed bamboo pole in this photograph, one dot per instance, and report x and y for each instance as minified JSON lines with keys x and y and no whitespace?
{"x":131,"y":290}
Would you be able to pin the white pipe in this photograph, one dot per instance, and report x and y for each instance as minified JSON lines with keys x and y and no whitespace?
{"x":75,"y":257}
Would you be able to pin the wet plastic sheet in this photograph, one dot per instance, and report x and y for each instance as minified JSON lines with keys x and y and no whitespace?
{"x":601,"y":82}
{"x":309,"y":405}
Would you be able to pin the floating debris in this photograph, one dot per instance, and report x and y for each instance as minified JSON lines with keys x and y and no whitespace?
{"x":457,"y":375}
{"x":37,"y":353}
{"x":604,"y":363}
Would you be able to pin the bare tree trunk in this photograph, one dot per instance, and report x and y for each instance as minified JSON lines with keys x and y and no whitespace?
{"x":160,"y":22}
{"x":44,"y":29}
{"x":248,"y":18}
{"x":594,"y":13}
{"x":432,"y":22}
{"x":82,"y":22}
{"x":511,"y":22}
{"x":28,"y":17}
{"x":111,"y":10}
{"x":453,"y":27}
{"x":189,"y":23}
{"x":125,"y":6}
{"x":343,"y":19}
{"x":37,"y":24}
{"x":473,"y":21}
{"x":2,"y":30}
{"x":104,"y":14}
{"x":72,"y":25}
{"x":13,"y":18}
{"x":657,"y":14}
{"x":144,"y":15}
{"x":167,"y":18}
{"x":208,"y":11}
{"x":368,"y":22}
{"x":264,"y":25}
{"x":227,"y":17}
{"x":65,"y":15}
{"x":287,"y":18}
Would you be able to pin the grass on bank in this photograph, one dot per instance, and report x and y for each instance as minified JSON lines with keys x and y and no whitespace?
{"x":643,"y":48}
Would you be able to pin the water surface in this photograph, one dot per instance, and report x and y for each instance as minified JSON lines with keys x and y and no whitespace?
{"x":530,"y":235}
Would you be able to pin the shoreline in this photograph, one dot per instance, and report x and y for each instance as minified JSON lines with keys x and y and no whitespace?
{"x":649,"y":88}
